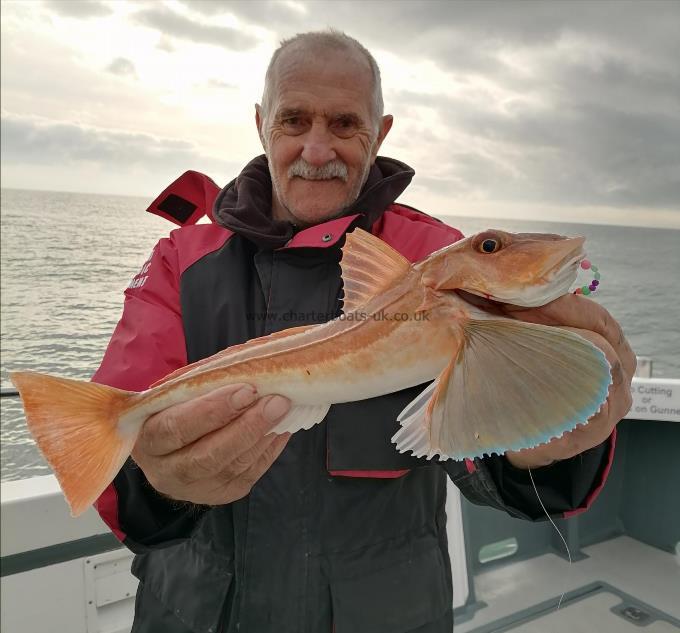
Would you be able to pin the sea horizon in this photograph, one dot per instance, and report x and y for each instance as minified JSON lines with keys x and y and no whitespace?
{"x":507,"y":217}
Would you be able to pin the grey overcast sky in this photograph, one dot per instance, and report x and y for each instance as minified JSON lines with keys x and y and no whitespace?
{"x":535,"y":109}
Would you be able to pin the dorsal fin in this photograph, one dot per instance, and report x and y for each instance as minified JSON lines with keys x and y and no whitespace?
{"x":369,"y":266}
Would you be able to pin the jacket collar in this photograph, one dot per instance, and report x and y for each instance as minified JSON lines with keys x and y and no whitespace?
{"x":244,"y":205}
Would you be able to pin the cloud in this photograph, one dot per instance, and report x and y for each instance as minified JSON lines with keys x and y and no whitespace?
{"x":559,"y":103}
{"x":568,"y":107}
{"x":222,"y":85}
{"x":78,"y":8}
{"x":577,"y":154}
{"x":588,"y":125}
{"x":29,"y":141}
{"x":170,"y":23}
{"x":165,"y":44}
{"x":468,"y":35}
{"x":122,"y":66}
{"x":266,"y":12}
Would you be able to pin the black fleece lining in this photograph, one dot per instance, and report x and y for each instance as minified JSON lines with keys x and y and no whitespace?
{"x":245,"y":204}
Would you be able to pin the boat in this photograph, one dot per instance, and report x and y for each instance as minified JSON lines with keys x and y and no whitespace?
{"x":621,"y":572}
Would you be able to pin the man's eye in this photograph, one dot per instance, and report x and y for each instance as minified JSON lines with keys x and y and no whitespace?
{"x":344,"y":126}
{"x":293,"y":124}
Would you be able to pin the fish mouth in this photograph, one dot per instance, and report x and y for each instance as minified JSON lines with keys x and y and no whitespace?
{"x":564,"y":267}
{"x":559,"y":273}
{"x":486,"y":303}
{"x":573,"y":252}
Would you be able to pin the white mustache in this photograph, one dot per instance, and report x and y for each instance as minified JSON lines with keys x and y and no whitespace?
{"x":332,"y":169}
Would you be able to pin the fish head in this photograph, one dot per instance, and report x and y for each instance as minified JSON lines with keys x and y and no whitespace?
{"x":524,"y":269}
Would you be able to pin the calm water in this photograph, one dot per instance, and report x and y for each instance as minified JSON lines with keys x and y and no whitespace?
{"x":66,"y":259}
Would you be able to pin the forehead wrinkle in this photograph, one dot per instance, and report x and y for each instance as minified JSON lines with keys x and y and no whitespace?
{"x":327,"y":114}
{"x":288,"y":111}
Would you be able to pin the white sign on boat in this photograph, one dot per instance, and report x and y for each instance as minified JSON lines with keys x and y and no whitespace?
{"x":655,"y":399}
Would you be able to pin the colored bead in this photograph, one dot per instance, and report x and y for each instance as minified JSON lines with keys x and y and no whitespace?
{"x":586,"y":264}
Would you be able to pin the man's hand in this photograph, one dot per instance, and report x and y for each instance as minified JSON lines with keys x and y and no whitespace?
{"x":212,"y":450}
{"x":592,"y":322}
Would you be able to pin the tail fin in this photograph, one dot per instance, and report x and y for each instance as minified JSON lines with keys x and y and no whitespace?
{"x":75,"y":425}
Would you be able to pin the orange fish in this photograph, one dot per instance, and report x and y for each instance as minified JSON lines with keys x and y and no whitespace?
{"x":500,"y":384}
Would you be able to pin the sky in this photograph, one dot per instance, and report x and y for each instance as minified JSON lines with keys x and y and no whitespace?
{"x":565,"y":111}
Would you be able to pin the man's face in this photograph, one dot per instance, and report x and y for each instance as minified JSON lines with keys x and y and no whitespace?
{"x":320,"y":135}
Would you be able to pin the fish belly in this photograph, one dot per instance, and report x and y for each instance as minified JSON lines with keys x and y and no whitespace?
{"x":372,"y":360}
{"x":404,"y":356}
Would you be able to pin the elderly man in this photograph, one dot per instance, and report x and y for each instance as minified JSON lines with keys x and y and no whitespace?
{"x":237,"y":529}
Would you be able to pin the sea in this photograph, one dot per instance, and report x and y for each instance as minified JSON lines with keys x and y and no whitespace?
{"x":66,"y":259}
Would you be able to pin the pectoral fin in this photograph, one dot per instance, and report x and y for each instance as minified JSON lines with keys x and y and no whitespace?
{"x":512,"y":385}
{"x":301,"y":417}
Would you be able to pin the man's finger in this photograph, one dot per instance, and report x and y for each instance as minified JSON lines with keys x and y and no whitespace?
{"x":246,"y":460}
{"x":249,"y":477}
{"x":597,"y":429}
{"x":603,"y":344}
{"x":569,"y":311}
{"x":266,"y":448}
{"x":619,"y":399}
{"x":580,"y":312}
{"x":212,"y":453}
{"x":183,"y":424}
{"x":227,"y":491}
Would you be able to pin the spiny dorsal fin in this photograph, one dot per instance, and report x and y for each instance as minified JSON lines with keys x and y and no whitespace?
{"x":369,"y":266}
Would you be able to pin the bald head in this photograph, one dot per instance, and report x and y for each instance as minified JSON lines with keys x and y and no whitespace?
{"x":323,"y":47}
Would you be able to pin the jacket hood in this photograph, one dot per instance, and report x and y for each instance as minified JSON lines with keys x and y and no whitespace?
{"x":245,"y":204}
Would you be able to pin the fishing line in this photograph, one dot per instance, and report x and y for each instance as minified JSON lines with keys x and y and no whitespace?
{"x":559,"y":603}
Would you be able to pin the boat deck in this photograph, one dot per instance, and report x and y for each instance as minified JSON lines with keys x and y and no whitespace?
{"x":618,"y":575}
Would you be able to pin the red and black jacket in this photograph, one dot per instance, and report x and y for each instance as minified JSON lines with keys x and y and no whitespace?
{"x":342,"y":530}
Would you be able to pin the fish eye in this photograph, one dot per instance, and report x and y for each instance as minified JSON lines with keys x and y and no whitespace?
{"x":489,"y":245}
{"x":488,"y":242}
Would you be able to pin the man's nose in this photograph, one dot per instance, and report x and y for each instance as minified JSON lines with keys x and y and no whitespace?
{"x":318,"y":145}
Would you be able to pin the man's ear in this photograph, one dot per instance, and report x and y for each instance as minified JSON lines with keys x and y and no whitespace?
{"x":259,"y":122}
{"x":385,"y":127}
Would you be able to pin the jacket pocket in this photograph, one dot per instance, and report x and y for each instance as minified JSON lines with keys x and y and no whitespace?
{"x":186,"y":580}
{"x":359,"y":437}
{"x":395,"y":599}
